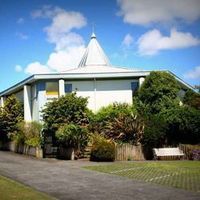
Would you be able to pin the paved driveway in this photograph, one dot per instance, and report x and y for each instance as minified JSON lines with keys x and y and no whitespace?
{"x":67,"y":180}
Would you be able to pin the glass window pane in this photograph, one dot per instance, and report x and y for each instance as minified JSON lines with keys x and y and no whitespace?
{"x":134,"y":87}
{"x":68,"y":88}
{"x":52,"y":88}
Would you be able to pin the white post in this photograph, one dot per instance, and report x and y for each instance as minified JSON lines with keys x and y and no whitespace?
{"x":61,"y":87}
{"x":27,"y":103}
{"x":2,"y":102}
{"x":95,"y":95}
{"x":141,"y":80}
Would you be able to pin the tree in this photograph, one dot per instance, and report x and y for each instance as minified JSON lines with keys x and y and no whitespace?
{"x":166,"y":122}
{"x":154,"y":132}
{"x":159,"y":91}
{"x":67,"y":109}
{"x":10,"y":115}
{"x":182,"y":125}
{"x":192,"y":99}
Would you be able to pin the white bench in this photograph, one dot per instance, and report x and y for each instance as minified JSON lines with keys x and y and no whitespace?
{"x":167,"y":152}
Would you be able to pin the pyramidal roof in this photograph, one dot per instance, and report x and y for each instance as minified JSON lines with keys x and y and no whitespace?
{"x":94,"y":55}
{"x":95,"y":61}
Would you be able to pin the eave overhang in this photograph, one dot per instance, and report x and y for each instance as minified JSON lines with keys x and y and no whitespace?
{"x":82,"y":76}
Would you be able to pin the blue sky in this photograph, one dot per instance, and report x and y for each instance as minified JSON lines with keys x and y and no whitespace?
{"x":42,"y":36}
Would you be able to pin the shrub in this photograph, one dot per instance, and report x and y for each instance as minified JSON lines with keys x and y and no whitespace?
{"x":159,"y":91}
{"x":28,"y":133}
{"x":71,"y":135}
{"x":154,"y":132}
{"x":114,"y":110}
{"x":125,"y":128}
{"x":66,"y":109}
{"x":182,"y":125}
{"x":166,"y":122}
{"x":188,"y":150}
{"x":118,"y":122}
{"x":102,"y":149}
{"x":10,"y":115}
{"x":192,"y":99}
{"x":196,"y":154}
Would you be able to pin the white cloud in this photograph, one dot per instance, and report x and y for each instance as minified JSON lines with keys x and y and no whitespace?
{"x":145,"y":12}
{"x":193,"y":74}
{"x":153,"y":41}
{"x":64,"y":60}
{"x":47,"y":11}
{"x":69,"y":46}
{"x":20,"y":20}
{"x":67,"y":41}
{"x":128,"y":40}
{"x":62,"y":23}
{"x":22,"y":36}
{"x":36,"y":68}
{"x":18,"y":68}
{"x":59,"y":31}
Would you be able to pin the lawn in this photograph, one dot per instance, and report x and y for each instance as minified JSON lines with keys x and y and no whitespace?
{"x":179,"y":174}
{"x":10,"y":190}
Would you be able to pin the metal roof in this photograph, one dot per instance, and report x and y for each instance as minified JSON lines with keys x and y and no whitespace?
{"x":94,"y":55}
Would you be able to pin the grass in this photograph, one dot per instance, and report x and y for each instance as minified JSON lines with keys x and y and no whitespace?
{"x":12,"y":190}
{"x":178,"y":174}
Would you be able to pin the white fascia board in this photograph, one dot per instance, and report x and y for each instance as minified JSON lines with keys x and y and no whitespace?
{"x":182,"y":81}
{"x":35,"y":77}
{"x":92,"y":75}
{"x":18,"y":86}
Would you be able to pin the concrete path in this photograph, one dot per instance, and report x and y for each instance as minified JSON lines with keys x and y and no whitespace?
{"x":67,"y":180}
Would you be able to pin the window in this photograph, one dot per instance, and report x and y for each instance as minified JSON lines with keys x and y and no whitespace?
{"x":52,"y":88}
{"x":68,"y":88}
{"x":134,"y":87}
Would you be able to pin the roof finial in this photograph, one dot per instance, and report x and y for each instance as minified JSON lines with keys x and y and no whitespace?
{"x":93,"y":34}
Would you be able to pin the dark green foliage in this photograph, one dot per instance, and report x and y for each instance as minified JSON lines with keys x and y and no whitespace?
{"x":28,"y":133}
{"x":154,"y":132}
{"x":158,"y":92}
{"x":74,"y":136}
{"x":102,"y":149}
{"x":71,"y":135}
{"x":192,"y":99}
{"x":10,"y":115}
{"x":166,"y":122}
{"x":67,"y":109}
{"x":99,"y":120}
{"x":173,"y":126}
{"x":182,"y":125}
{"x":118,"y":122}
{"x":113,"y":111}
{"x":125,"y":128}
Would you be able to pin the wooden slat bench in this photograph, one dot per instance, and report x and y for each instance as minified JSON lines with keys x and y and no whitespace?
{"x":167,"y":153}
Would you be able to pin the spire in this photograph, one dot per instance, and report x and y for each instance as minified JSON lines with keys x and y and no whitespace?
{"x":93,"y":35}
{"x":94,"y":54}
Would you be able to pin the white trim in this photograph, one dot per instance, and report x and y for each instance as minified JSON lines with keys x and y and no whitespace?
{"x":2,"y":102}
{"x":27,"y":103}
{"x":61,"y":87}
{"x":129,"y":74}
{"x":141,"y":80}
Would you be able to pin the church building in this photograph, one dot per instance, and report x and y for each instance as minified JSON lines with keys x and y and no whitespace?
{"x":94,"y":78}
